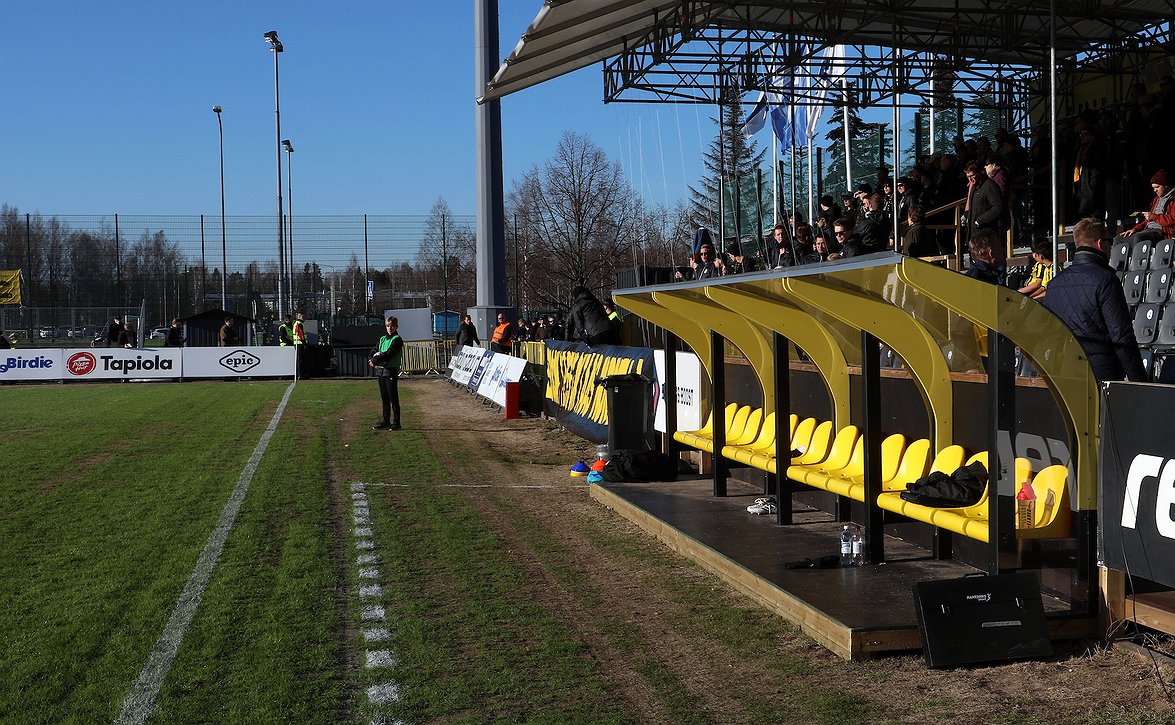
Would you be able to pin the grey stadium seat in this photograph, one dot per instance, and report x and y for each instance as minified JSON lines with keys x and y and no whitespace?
{"x":1158,"y":286}
{"x":1120,"y":254}
{"x":1163,"y":254}
{"x":1140,"y":256}
{"x":1133,"y":285}
{"x":1146,"y":323}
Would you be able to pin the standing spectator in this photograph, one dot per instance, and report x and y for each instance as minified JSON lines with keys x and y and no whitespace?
{"x":707,"y":266}
{"x":386,"y":359}
{"x":228,"y":335}
{"x":873,"y":226}
{"x":503,"y":335}
{"x":299,"y":332}
{"x":985,"y":203}
{"x":850,"y":246}
{"x":613,"y":317}
{"x":1159,"y":222}
{"x":126,"y":336}
{"x":1089,"y":175}
{"x":1088,"y":298}
{"x":919,"y":240}
{"x":587,"y":321}
{"x":554,"y":328}
{"x":467,"y":332}
{"x":285,"y":332}
{"x":175,"y":335}
{"x":113,"y":330}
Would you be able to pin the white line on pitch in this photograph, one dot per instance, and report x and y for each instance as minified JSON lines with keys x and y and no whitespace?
{"x":471,"y":485}
{"x":140,"y":702}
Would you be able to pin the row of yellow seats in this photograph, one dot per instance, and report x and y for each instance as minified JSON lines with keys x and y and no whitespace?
{"x":742,"y":425}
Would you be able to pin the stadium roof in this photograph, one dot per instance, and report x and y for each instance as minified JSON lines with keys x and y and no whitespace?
{"x":686,"y":50}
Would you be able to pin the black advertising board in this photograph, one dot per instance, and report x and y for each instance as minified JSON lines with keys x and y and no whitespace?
{"x":1136,"y":507}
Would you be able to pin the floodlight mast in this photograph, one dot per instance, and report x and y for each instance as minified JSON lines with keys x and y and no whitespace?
{"x":275,"y":46}
{"x":290,"y":220}
{"x":223,"y":243}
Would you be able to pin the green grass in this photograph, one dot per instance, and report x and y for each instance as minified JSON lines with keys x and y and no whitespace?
{"x":108,"y":497}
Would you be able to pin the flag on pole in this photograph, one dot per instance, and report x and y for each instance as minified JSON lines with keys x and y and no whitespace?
{"x":10,"y":287}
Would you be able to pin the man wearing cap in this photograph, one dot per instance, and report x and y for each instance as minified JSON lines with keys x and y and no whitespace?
{"x":1088,"y":298}
{"x":1159,"y":222}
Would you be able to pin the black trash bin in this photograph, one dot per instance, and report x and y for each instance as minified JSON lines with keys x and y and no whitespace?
{"x":630,"y":411}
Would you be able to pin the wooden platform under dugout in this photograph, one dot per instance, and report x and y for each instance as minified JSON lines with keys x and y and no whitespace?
{"x":855,"y":612}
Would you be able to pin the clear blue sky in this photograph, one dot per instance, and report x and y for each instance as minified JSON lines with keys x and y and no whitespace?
{"x":109,"y":108}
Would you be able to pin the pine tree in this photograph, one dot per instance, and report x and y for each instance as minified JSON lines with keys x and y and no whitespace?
{"x":730,"y":156}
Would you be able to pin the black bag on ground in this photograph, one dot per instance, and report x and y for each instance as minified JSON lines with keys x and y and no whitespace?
{"x":641,"y":466}
{"x":964,"y":487}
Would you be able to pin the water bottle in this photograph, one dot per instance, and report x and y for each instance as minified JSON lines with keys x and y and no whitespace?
{"x":846,"y":546}
{"x":1026,"y":506}
{"x":858,"y":547}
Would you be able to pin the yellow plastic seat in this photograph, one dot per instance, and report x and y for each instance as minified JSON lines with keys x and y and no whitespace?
{"x":850,"y":481}
{"x":706,"y":432}
{"x":839,"y":455}
{"x":915,"y":464}
{"x":801,"y":435}
{"x":814,"y":451}
{"x":742,"y":435}
{"x":764,"y":443}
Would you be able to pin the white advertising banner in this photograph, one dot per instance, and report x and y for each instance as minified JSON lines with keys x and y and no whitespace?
{"x":691,"y":403}
{"x":503,"y":369}
{"x":30,"y":364}
{"x":464,"y":361}
{"x":118,"y":363}
{"x":253,"y":362}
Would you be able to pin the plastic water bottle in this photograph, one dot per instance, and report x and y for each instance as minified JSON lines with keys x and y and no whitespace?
{"x":858,"y":546}
{"x":1026,"y":506}
{"x":846,"y":546}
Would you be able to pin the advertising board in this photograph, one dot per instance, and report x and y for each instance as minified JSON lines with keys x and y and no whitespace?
{"x":120,"y":364}
{"x":223,"y":362}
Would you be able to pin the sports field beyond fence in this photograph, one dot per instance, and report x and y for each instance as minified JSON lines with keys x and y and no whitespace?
{"x":447,"y":572}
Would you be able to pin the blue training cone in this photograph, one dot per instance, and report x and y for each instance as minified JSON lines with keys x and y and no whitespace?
{"x":580,"y":469}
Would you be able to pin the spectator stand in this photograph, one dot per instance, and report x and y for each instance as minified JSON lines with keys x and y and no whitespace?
{"x":944,"y":329}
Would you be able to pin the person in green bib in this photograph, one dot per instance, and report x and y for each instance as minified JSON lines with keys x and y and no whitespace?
{"x":285,"y":333}
{"x":386,"y":358}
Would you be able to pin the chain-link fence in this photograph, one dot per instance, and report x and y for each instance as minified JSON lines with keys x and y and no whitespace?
{"x":75,"y":265}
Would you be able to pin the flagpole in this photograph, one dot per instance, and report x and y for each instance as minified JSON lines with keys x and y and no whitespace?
{"x":811,"y":205}
{"x":844,"y":84}
{"x":791,"y":112}
{"x":774,"y":178}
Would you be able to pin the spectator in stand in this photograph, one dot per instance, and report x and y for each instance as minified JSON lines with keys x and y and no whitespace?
{"x":467,"y":333}
{"x":126,"y":337}
{"x":907,"y":191}
{"x":1159,"y":222}
{"x":850,"y":245}
{"x":1089,"y":175}
{"x":783,"y":246}
{"x":804,"y":239}
{"x":948,"y":185}
{"x":984,"y":209}
{"x":919,"y":241}
{"x":1088,"y":298}
{"x":503,"y":335}
{"x":829,"y":213}
{"x":112,"y":331}
{"x":887,"y":197}
{"x":819,"y":252}
{"x":614,"y":319}
{"x":1042,"y":271}
{"x":873,"y":226}
{"x":522,"y":333}
{"x":708,"y":266}
{"x":987,"y":258}
{"x":993,"y":166}
{"x":540,"y":329}
{"x":735,"y":261}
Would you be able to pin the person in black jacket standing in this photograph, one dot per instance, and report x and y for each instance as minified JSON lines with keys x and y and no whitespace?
{"x":467,"y":332}
{"x":386,"y":359}
{"x":1088,"y":298}
{"x":985,"y":202}
{"x":587,"y":321}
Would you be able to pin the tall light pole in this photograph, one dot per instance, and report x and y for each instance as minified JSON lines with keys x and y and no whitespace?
{"x":223,"y":236}
{"x":275,"y":46}
{"x":290,"y":217}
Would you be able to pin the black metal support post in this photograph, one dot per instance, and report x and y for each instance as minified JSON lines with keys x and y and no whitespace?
{"x":1001,"y":476}
{"x":669,"y":391}
{"x":718,"y":406}
{"x":783,"y":489}
{"x":871,"y":389}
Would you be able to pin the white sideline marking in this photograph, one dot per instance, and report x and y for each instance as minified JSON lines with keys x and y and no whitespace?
{"x":380,"y":658}
{"x":372,"y":614}
{"x":369,"y":572}
{"x":366,"y":559}
{"x":360,"y":507}
{"x":363,"y":531}
{"x":361,"y":520}
{"x":140,"y":702}
{"x":383,"y":694}
{"x":359,"y":496}
{"x":368,"y":592}
{"x":365,"y":544}
{"x":358,"y":486}
{"x":376,"y":634}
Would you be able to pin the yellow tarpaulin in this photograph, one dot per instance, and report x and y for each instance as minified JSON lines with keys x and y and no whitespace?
{"x":9,"y":286}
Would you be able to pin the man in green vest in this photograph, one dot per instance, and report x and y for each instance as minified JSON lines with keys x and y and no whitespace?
{"x":386,"y":359}
{"x":285,"y":333}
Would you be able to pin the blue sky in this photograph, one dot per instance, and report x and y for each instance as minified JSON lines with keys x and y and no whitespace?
{"x":109,"y":109}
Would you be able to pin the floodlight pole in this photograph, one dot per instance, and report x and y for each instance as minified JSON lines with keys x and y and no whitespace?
{"x":275,"y":47}
{"x":290,"y":218}
{"x":1055,"y":229}
{"x":223,"y":236}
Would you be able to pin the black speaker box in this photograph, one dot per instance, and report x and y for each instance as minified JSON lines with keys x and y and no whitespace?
{"x":981,"y":619}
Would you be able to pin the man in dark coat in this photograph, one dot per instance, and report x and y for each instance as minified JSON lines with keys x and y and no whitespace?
{"x":587,"y":321}
{"x":985,"y":202}
{"x":1088,"y":298}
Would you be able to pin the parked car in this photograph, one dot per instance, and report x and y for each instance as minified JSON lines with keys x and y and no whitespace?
{"x":46,"y":332}
{"x":159,"y":333}
{"x":75,"y":332}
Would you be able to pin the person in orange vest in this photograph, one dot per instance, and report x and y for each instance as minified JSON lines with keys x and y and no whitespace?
{"x":300,"y":329}
{"x":503,"y":335}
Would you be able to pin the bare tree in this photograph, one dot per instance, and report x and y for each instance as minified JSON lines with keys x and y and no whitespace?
{"x":576,"y":219}
{"x":445,"y":260}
